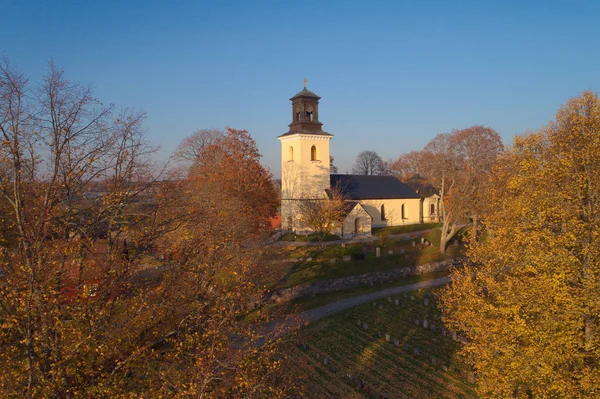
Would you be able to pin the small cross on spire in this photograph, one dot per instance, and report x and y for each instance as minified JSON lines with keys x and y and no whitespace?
{"x":305,"y":83}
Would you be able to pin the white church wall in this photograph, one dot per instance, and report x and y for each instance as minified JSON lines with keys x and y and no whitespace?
{"x":428,"y":215}
{"x":393,"y":211}
{"x":348,"y":228}
{"x":301,"y":176}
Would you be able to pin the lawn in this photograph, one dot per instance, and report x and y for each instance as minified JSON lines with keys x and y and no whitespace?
{"x":409,"y":228}
{"x":306,"y":303}
{"x":278,"y":310}
{"x":315,"y":264}
{"x":308,"y":237}
{"x":341,"y":359}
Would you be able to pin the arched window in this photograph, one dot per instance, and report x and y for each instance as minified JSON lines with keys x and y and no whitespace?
{"x":313,"y":153}
{"x":297,"y":116}
{"x":291,"y":153}
{"x":403,"y":212}
{"x":432,"y":209}
{"x":382,"y":212}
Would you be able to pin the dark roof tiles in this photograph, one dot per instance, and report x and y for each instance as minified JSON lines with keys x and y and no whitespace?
{"x":305,"y":93}
{"x":421,"y":186}
{"x":359,"y":187}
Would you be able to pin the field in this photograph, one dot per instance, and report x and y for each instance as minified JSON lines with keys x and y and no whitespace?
{"x":349,"y":354}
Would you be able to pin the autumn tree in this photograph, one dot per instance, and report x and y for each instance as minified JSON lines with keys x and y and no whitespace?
{"x":529,"y":305}
{"x":457,"y":164}
{"x":220,"y":264}
{"x":441,"y":167}
{"x":407,"y":165}
{"x":323,"y":216}
{"x":332,"y":168}
{"x":117,"y":280}
{"x":476,"y":149}
{"x":368,"y":163}
{"x":193,"y":148}
{"x":70,"y":170}
{"x":229,"y":171}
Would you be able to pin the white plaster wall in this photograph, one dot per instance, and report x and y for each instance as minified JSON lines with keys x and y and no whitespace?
{"x":393,"y":211}
{"x":364,"y":224}
{"x":427,"y":216}
{"x":302,"y":177}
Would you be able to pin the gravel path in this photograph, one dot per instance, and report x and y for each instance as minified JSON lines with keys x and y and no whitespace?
{"x":283,"y":327}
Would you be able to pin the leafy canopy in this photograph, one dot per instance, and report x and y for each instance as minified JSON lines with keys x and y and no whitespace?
{"x":530,"y":304}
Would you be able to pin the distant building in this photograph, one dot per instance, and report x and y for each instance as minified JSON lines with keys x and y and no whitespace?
{"x":373,"y":201}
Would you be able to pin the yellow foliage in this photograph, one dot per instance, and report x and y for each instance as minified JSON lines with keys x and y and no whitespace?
{"x":530,"y":302}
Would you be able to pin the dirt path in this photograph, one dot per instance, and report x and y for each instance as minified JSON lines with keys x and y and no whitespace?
{"x":300,"y":320}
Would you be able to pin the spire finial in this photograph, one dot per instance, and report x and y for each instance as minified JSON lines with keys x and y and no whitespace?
{"x":305,"y":83}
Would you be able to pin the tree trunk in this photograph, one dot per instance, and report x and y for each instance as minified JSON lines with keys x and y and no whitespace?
{"x":443,"y":243}
{"x":446,"y":234}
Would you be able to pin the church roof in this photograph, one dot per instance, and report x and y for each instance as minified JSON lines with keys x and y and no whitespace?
{"x":421,"y":186}
{"x":348,"y":207}
{"x":305,"y":93}
{"x":359,"y":187}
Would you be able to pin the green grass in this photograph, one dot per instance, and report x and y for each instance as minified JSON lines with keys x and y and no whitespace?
{"x":329,"y":251}
{"x":307,"y":303}
{"x":276,"y":310}
{"x":308,"y":238}
{"x":320,"y":268}
{"x":409,"y":228}
{"x":386,"y":369}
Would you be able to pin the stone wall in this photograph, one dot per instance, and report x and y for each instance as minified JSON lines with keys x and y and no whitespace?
{"x":361,"y":280}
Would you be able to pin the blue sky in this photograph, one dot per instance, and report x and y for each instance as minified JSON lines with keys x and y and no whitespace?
{"x":391,"y":75}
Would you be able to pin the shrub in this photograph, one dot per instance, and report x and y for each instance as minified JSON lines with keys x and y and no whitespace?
{"x":357,"y":256}
{"x":384,"y":240}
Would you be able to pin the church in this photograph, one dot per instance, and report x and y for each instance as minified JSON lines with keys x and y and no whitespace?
{"x":372,"y":201}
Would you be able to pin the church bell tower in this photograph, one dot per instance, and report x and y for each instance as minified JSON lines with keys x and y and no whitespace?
{"x":304,"y":157}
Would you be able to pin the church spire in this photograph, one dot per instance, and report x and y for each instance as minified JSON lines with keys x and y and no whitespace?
{"x":305,"y":113}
